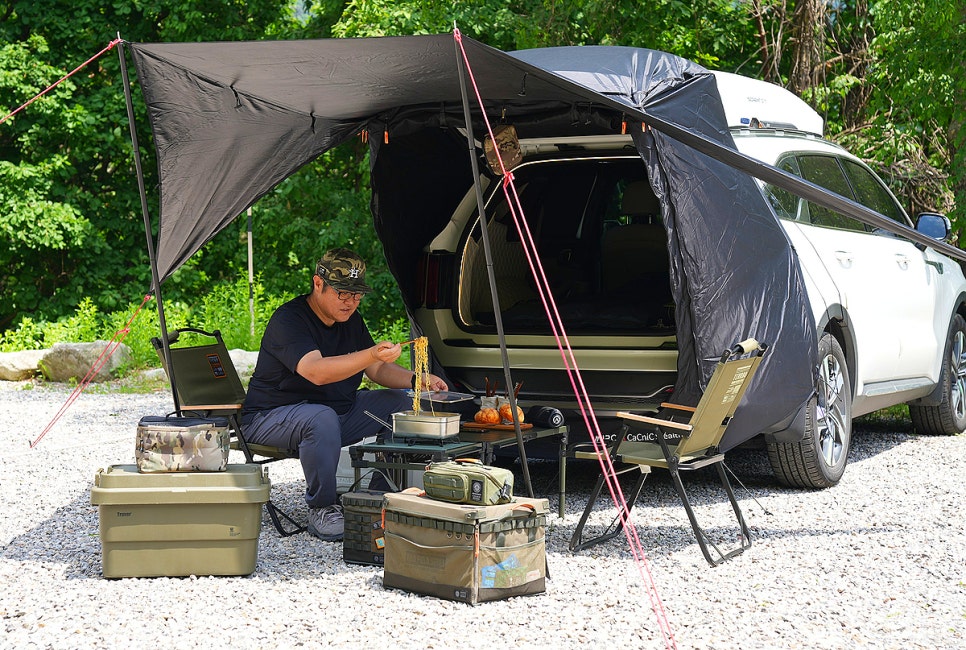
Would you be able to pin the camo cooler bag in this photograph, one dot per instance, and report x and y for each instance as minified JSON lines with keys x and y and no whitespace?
{"x":181,"y":444}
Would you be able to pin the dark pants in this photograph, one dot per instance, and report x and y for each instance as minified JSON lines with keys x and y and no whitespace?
{"x":319,"y":434}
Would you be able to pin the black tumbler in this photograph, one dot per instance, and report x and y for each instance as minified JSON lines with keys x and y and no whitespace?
{"x":545,"y":416}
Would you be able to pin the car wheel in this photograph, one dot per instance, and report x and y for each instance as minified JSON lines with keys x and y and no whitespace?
{"x":949,"y":416}
{"x":819,"y":459}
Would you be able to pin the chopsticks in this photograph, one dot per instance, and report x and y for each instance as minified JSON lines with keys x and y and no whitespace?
{"x":408,"y":342}
{"x":490,"y":389}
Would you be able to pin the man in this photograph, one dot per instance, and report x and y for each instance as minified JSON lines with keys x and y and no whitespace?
{"x":304,"y":393}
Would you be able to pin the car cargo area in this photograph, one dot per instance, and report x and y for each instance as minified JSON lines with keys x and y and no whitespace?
{"x":597,"y":228}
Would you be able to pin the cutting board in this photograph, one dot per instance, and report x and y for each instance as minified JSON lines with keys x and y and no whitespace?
{"x":479,"y":426}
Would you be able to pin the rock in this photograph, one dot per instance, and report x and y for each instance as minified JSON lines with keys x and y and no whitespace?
{"x":244,"y":362}
{"x":66,"y":361}
{"x":20,"y":366}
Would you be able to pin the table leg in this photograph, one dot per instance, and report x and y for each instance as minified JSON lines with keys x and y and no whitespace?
{"x":562,"y":502}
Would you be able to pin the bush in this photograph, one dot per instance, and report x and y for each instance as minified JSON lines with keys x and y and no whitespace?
{"x":226,"y":307}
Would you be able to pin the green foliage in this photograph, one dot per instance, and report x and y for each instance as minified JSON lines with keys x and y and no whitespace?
{"x":28,"y":335}
{"x":922,"y":90}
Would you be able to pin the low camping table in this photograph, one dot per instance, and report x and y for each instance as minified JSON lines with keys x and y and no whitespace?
{"x":399,"y":455}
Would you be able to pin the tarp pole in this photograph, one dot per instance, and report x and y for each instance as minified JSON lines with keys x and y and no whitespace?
{"x":251,"y":278}
{"x":491,"y":277}
{"x":155,"y":277}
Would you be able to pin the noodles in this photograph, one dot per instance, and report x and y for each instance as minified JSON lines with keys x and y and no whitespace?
{"x":421,"y":368}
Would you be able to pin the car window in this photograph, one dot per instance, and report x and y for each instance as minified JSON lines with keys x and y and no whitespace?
{"x":826,"y":172}
{"x":870,"y":192}
{"x":786,"y":204}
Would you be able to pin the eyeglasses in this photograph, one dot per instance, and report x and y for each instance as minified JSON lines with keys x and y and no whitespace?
{"x":345,"y":295}
{"x":356,"y":296}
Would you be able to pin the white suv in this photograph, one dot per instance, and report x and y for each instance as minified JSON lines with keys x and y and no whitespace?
{"x":887,"y":311}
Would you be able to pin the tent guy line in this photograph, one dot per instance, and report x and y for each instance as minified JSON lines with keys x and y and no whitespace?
{"x":556,"y":323}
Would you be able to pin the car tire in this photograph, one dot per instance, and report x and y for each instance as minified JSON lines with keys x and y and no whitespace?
{"x":818,"y":460}
{"x":949,"y":416}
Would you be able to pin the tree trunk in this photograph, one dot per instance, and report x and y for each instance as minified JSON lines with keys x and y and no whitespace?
{"x":808,"y":36}
{"x":857,"y":61}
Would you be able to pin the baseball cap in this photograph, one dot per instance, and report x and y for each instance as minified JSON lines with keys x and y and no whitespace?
{"x":343,"y":270}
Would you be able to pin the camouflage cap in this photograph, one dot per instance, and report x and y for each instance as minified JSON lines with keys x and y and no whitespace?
{"x":343,"y":270}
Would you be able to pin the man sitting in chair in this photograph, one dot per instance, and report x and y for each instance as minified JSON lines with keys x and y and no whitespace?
{"x":304,"y":393}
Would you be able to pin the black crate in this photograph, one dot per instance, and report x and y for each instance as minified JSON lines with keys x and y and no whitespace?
{"x":363,"y":541}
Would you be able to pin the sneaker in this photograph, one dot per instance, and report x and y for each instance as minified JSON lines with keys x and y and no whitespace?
{"x":326,"y":523}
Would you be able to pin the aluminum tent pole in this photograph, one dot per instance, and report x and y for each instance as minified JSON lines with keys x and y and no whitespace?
{"x":491,"y":277}
{"x":251,"y":278}
{"x":152,"y":257}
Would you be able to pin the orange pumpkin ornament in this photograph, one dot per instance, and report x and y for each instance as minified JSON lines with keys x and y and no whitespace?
{"x":487,"y":416}
{"x":506,"y":413}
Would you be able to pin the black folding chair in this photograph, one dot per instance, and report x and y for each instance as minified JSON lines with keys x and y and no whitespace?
{"x":207,"y":384}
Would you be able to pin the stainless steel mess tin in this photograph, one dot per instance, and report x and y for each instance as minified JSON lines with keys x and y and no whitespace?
{"x":425,"y":425}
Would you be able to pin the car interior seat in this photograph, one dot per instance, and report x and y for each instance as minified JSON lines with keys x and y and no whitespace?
{"x":635,"y":252}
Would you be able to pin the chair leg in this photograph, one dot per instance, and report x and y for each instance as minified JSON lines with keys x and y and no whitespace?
{"x":277,"y":515}
{"x":703,"y":540}
{"x":616,"y":526}
{"x":745,"y":538}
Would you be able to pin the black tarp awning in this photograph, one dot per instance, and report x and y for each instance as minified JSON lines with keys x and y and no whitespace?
{"x":232,"y":120}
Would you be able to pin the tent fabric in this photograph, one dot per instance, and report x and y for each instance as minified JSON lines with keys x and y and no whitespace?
{"x":232,"y":120}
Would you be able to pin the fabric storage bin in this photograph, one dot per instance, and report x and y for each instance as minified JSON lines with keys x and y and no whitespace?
{"x":179,"y":524}
{"x":464,"y":552}
{"x":181,"y":444}
{"x":363,"y":541}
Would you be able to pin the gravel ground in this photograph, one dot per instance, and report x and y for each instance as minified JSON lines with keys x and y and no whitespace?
{"x":877,"y":562}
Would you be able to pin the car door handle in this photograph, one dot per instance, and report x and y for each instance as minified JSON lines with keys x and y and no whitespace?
{"x":937,"y":265}
{"x":844,"y":258}
{"x":902,"y":261}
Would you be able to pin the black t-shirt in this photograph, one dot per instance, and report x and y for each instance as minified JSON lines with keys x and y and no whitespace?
{"x":293,"y":331}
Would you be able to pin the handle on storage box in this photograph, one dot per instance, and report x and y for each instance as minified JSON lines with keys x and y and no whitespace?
{"x":515,"y":511}
{"x":389,"y":480}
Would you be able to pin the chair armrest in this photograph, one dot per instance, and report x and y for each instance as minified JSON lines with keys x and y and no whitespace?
{"x":680,"y":407}
{"x":211,"y":407}
{"x":655,"y":421}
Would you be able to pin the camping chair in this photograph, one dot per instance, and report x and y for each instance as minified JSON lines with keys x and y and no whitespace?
{"x":207,"y":384}
{"x":681,"y":446}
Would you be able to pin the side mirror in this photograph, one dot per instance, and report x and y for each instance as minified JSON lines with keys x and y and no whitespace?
{"x":934,"y":225}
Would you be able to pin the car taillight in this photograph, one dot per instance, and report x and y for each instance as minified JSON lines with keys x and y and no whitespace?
{"x":434,"y":272}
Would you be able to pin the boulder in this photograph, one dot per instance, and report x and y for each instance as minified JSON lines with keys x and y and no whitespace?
{"x":244,"y":362}
{"x":20,"y":366}
{"x":66,"y":361}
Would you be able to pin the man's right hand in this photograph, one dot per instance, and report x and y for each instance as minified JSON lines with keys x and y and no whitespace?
{"x":386,"y":351}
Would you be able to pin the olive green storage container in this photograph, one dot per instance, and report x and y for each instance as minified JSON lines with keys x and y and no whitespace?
{"x":179,"y":524}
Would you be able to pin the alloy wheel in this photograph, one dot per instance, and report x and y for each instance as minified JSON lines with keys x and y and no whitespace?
{"x":830,"y":410}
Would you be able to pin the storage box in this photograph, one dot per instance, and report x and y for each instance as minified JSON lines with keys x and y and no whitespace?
{"x":179,"y":524}
{"x":345,"y":474}
{"x":181,"y":444}
{"x":363,"y":541}
{"x":462,"y":552}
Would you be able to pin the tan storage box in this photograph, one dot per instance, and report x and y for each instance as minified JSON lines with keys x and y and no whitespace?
{"x":179,"y":524}
{"x":463,"y":552}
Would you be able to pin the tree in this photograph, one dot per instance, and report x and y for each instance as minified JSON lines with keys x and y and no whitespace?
{"x":919,"y":100}
{"x":71,"y":210}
